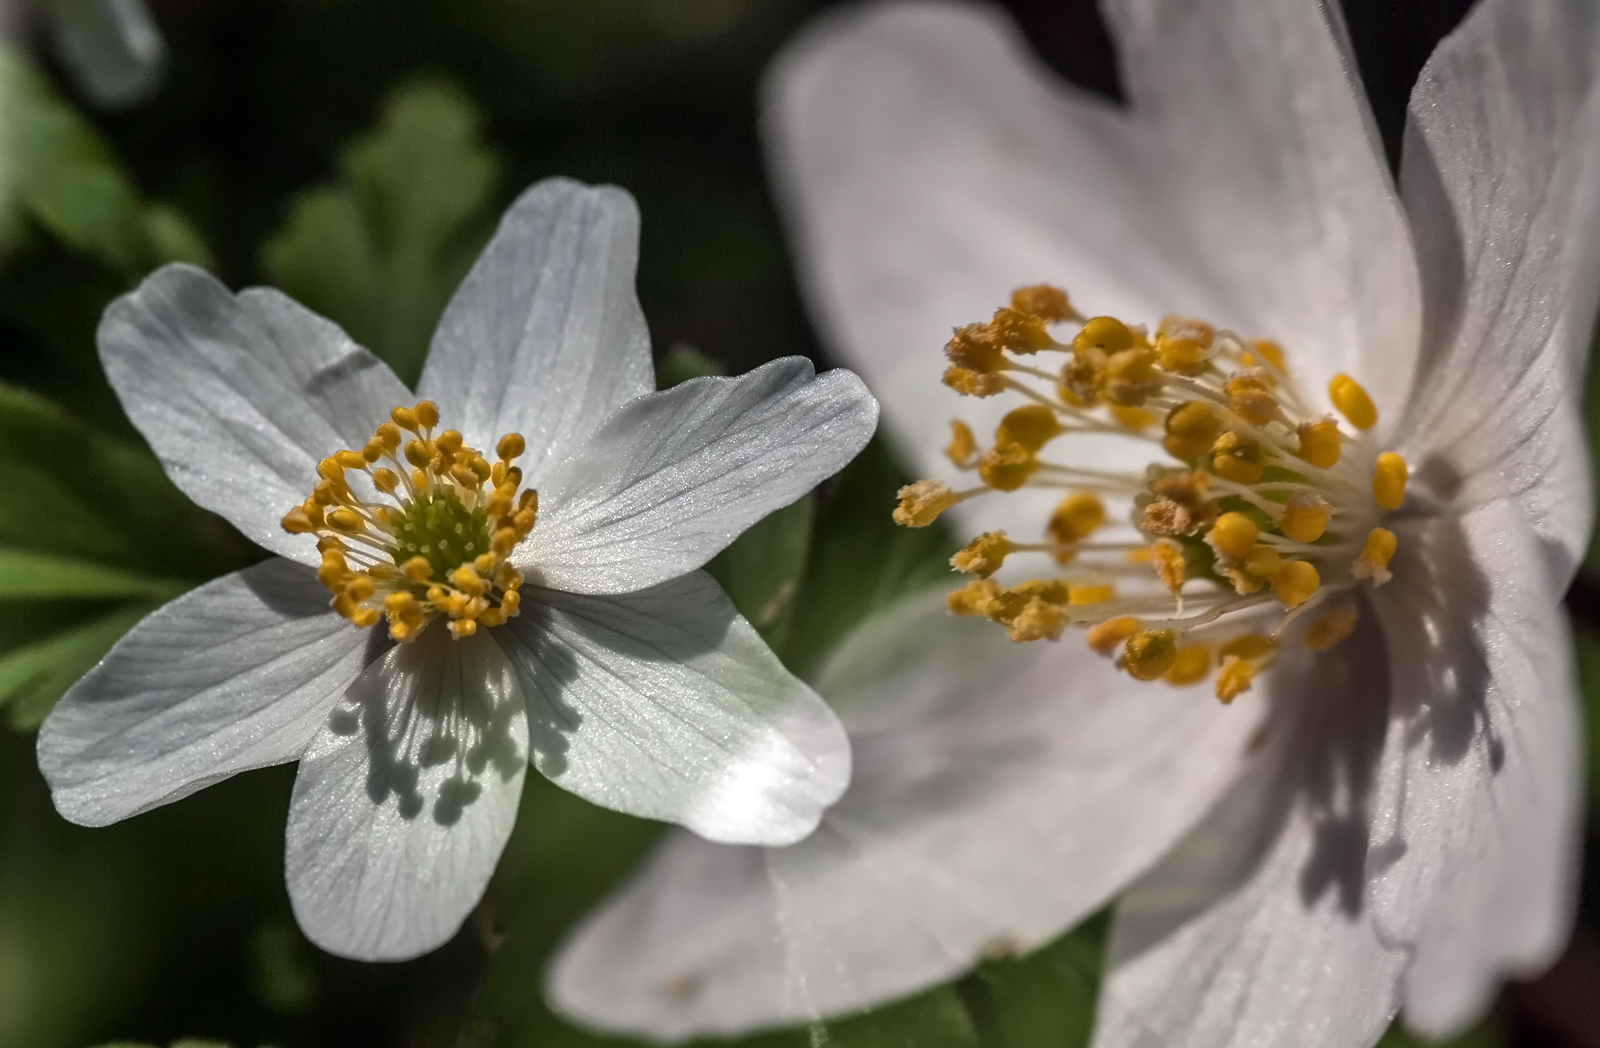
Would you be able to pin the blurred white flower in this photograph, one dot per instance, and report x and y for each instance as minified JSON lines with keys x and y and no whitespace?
{"x":112,"y":48}
{"x":569,"y":628}
{"x":1386,"y":824}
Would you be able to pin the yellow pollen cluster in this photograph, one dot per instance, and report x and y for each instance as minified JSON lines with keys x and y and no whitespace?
{"x":438,"y":545}
{"x":1255,"y":512}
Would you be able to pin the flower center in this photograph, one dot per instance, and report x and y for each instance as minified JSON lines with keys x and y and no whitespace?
{"x":435,"y":542}
{"x":1259,"y":512}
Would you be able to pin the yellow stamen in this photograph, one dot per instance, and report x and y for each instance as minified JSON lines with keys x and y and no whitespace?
{"x":1104,"y":638}
{"x":1373,"y":563}
{"x":1319,"y":442}
{"x":1352,"y":402}
{"x":1233,"y":535}
{"x":1076,"y":517}
{"x":984,"y":555}
{"x":1295,"y":583}
{"x":1150,"y":653}
{"x":1389,"y":480}
{"x":1191,"y":430}
{"x":1329,"y":629}
{"x":1191,"y":665}
{"x":1305,"y":518}
{"x":1234,"y":679}
{"x":963,"y":448}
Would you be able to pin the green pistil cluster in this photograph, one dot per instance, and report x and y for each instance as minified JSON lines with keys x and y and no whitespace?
{"x":438,"y":528}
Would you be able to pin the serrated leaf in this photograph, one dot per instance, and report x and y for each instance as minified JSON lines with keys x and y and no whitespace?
{"x":861,"y":561}
{"x":34,"y":676}
{"x":64,"y":176}
{"x":1046,"y":999}
{"x":382,"y":251}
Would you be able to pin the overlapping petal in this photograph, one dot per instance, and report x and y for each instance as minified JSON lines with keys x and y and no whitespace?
{"x":667,"y":704}
{"x":994,"y":822}
{"x":405,"y":798}
{"x":1478,"y":812}
{"x":1255,"y":928}
{"x":1502,"y":154}
{"x":237,"y":674}
{"x":545,"y":336}
{"x":672,"y":478}
{"x":241,"y":395}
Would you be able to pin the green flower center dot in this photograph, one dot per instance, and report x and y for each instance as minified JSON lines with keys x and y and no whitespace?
{"x":439,"y":528}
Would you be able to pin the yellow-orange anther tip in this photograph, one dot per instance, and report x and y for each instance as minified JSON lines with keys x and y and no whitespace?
{"x":1105,"y":637}
{"x":1352,"y":401}
{"x":1295,"y":583}
{"x":1305,"y":517}
{"x":1234,"y":679}
{"x":427,"y":413}
{"x":511,"y":445}
{"x":1233,"y":535}
{"x":416,"y":570}
{"x":1076,"y":517}
{"x":463,"y":628}
{"x":1150,"y":653}
{"x":1319,"y":442}
{"x":1389,"y":480}
{"x":1048,"y":303}
{"x":984,"y":555}
{"x":405,"y":418}
{"x":1329,"y":629}
{"x":298,"y":522}
{"x":922,"y":502}
{"x":1082,"y":593}
{"x":1190,"y":666}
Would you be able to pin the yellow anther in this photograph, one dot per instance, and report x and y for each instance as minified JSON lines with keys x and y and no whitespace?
{"x":1006,"y":467}
{"x":1031,"y":426}
{"x":1079,"y":384}
{"x":1168,"y":560}
{"x":449,"y":441}
{"x":1183,"y":344}
{"x":345,"y":520}
{"x":510,"y":600}
{"x":511,"y":445}
{"x":387,"y":434}
{"x":1234,"y":679}
{"x":1191,"y":430}
{"x":298,"y":522}
{"x":1133,"y":418}
{"x":1038,"y":620}
{"x":1330,"y":629}
{"x":963,"y":447}
{"x":1373,"y":563}
{"x":984,"y":555}
{"x":1075,"y":518}
{"x":1237,"y":458}
{"x":364,"y":617}
{"x":1107,"y":335}
{"x":485,"y":564}
{"x":523,"y":519}
{"x":971,"y":383}
{"x":1250,"y":397}
{"x":1130,"y":377}
{"x":350,"y":459}
{"x":385,"y":480}
{"x":361,"y":587}
{"x":417,"y":570}
{"x":1295,"y":583}
{"x":419,"y":479}
{"x":1269,"y":351}
{"x":464,"y":475}
{"x":1305,"y":518}
{"x":463,"y":627}
{"x":973,"y":348}
{"x":975,"y":598}
{"x":1252,"y":646}
{"x":1019,"y":332}
{"x":1319,"y":442}
{"x":332,"y":570}
{"x":419,"y":454}
{"x":504,"y":540}
{"x":1150,"y":653}
{"x":331,"y":470}
{"x":427,"y":414}
{"x":1049,"y":304}
{"x":1233,"y":535}
{"x":467,"y":580}
{"x":405,"y":419}
{"x":507,"y":577}
{"x":922,"y":502}
{"x":1080,"y":593}
{"x":400,"y":603}
{"x":1389,"y":480}
{"x":1352,"y":401}
{"x":1263,"y":563}
{"x":1189,"y":666}
{"x":1106,"y":637}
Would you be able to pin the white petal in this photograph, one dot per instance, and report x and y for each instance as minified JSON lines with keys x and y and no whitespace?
{"x":1477,"y":822}
{"x":667,"y":704}
{"x":237,"y":674}
{"x":1276,"y":164}
{"x":672,"y":478}
{"x":1253,"y":930}
{"x":241,"y":395}
{"x":930,"y":165}
{"x":545,"y":336}
{"x":405,"y":799}
{"x":1502,"y":154}
{"x":999,"y":821}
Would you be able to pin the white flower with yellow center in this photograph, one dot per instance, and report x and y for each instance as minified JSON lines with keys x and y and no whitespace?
{"x":1358,"y":532}
{"x":536,"y":602}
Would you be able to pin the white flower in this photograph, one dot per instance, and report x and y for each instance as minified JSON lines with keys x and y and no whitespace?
{"x":1385,"y":824}
{"x":618,"y":670}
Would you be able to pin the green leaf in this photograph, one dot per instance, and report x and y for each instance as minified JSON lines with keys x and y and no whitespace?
{"x":64,"y":176}
{"x":25,"y":574}
{"x":861,"y":561}
{"x":936,"y":1019}
{"x":382,"y":251}
{"x":1046,"y":999}
{"x":34,"y":676}
{"x":682,"y":362}
{"x":761,"y":569}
